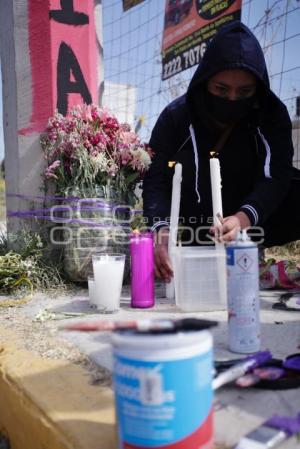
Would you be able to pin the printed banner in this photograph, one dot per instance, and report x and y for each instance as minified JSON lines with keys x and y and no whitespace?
{"x":189,"y":26}
{"x":127,"y":4}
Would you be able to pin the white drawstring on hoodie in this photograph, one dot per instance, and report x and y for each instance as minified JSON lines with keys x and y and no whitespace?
{"x":192,"y":132}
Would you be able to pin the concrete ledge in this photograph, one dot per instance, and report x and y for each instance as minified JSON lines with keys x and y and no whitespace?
{"x":49,"y":404}
{"x":46,"y":404}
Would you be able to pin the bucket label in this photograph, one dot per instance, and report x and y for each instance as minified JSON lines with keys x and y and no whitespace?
{"x":164,"y":404}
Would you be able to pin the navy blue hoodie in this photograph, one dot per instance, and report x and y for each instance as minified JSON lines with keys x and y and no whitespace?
{"x":256,"y":159}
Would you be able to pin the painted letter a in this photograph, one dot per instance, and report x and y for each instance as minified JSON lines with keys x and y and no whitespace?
{"x":67,"y":63}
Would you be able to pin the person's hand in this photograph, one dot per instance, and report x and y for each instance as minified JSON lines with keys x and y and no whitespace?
{"x":230,"y":227}
{"x":163,"y":267}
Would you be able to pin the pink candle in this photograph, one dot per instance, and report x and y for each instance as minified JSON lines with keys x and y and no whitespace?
{"x":142,"y":270}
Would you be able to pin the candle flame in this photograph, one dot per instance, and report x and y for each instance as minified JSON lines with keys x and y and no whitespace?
{"x":213,"y":154}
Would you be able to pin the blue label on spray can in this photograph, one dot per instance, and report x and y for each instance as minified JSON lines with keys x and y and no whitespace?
{"x":230,"y":256}
{"x":164,"y":404}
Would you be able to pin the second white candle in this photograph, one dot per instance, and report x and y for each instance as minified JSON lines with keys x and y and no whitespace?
{"x":216,"y":186}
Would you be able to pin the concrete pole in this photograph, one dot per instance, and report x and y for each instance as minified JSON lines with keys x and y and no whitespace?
{"x":99,"y":31}
{"x":51,"y":54}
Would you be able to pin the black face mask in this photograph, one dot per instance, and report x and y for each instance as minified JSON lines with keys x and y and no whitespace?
{"x":228,"y":111}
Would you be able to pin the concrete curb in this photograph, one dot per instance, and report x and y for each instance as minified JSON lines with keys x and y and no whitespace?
{"x":50,"y":404}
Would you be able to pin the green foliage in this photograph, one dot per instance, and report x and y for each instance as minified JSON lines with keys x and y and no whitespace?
{"x":25,"y":267}
{"x":139,"y":223}
{"x":290,"y":250}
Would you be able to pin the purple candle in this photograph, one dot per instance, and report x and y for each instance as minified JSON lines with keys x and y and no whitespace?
{"x":142,"y":270}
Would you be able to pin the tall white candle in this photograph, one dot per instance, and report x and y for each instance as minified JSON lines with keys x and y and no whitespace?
{"x":216,"y":191}
{"x":216,"y":186}
{"x":175,"y":206}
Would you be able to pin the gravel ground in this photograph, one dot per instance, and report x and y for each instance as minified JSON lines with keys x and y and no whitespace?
{"x":43,"y":338}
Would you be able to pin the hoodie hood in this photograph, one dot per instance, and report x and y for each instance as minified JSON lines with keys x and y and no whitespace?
{"x":233,"y":47}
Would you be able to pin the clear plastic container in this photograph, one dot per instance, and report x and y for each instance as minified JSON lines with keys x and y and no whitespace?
{"x":199,"y":278}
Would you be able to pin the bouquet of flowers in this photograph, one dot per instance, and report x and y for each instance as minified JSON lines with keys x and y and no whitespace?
{"x":91,"y":148}
{"x":91,"y":156}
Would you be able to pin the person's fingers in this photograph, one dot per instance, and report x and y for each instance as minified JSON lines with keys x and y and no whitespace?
{"x":163,"y":268}
{"x":225,"y":232}
{"x":229,"y":236}
{"x":165,"y":273}
{"x":165,"y":265}
{"x":226,"y":229}
{"x":157,"y":271}
{"x":216,"y":232}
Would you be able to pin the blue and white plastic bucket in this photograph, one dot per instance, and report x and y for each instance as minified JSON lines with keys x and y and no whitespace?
{"x":163,"y":390}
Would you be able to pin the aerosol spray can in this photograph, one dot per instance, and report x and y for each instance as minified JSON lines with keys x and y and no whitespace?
{"x":142,"y":269}
{"x":243,"y":295}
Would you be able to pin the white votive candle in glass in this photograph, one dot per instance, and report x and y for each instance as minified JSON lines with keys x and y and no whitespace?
{"x":92,"y":291}
{"x":108,"y":275}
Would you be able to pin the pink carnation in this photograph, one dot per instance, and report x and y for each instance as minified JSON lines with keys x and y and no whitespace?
{"x":49,"y":170}
{"x":54,"y":165}
{"x":125,"y":156}
{"x":128,"y":137}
